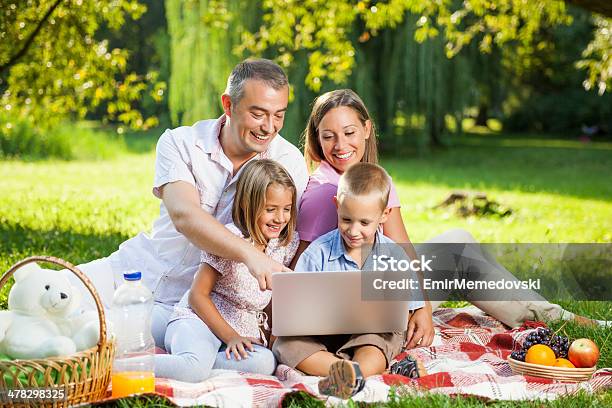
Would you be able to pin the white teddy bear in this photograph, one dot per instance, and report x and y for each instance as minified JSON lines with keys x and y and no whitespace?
{"x":42,"y":320}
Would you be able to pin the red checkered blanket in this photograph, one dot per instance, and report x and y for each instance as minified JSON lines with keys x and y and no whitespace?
{"x":467,"y":358}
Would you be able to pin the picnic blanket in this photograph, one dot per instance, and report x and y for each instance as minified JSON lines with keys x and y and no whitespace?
{"x":467,"y":358}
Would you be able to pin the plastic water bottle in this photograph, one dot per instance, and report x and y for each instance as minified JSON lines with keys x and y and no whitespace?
{"x":133,"y":368}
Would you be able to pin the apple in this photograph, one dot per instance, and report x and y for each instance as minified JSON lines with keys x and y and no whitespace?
{"x":583,"y":353}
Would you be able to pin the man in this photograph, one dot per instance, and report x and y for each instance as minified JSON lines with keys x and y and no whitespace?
{"x":195,"y":176}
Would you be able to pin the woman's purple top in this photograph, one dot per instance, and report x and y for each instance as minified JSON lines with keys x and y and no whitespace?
{"x":317,"y":213}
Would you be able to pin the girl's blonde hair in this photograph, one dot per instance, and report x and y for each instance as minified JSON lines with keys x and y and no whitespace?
{"x":313,"y":152}
{"x":250,"y":199}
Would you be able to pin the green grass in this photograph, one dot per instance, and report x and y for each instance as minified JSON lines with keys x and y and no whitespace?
{"x":397,"y":400}
{"x":559,"y":191}
{"x":66,"y":141}
{"x":301,"y":399}
{"x":433,"y":400}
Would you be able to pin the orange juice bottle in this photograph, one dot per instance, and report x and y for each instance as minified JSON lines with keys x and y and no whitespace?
{"x":132,"y":382}
{"x":133,"y":367}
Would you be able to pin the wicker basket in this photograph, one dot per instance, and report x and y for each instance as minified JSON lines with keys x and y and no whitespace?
{"x":563,"y":374}
{"x":82,"y":377}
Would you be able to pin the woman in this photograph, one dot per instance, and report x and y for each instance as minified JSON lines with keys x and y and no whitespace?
{"x":340,"y":133}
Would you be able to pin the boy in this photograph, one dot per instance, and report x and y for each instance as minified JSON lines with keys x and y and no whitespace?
{"x":361,"y":200}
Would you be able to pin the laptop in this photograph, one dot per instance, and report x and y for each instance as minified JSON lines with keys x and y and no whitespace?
{"x":321,"y":303}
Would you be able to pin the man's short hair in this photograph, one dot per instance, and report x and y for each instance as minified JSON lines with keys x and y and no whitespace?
{"x":365,"y":179}
{"x":254,"y":68}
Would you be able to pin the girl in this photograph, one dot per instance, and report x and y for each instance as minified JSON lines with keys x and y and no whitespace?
{"x":218,"y":322}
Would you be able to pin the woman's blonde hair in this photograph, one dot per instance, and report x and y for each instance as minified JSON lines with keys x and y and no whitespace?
{"x":250,"y":199}
{"x":313,"y":152}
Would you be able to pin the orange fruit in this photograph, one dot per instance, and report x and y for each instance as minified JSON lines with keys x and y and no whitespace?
{"x":562,"y":362}
{"x":540,"y":354}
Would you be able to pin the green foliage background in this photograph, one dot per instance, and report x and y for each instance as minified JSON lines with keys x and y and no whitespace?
{"x":56,"y":67}
{"x":421,"y":67}
{"x":513,"y":63}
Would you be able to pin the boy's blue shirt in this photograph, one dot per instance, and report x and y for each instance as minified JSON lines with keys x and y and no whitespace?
{"x":327,"y":253}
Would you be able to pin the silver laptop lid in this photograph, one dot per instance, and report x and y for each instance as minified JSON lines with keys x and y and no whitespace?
{"x":320,"y":303}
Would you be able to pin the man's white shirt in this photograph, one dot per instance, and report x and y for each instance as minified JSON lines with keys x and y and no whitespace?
{"x":193,"y":154}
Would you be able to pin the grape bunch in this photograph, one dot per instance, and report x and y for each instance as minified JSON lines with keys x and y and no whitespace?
{"x":559,"y":344}
{"x":519,"y":355}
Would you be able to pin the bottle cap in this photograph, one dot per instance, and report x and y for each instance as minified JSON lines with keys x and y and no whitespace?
{"x":132,"y":276}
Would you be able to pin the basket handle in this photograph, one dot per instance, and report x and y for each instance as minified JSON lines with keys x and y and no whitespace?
{"x":77,"y":272}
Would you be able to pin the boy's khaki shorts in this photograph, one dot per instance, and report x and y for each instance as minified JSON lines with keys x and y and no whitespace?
{"x":293,"y":350}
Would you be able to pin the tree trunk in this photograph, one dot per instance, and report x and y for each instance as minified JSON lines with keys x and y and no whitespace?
{"x":483,"y":115}
{"x":459,"y":123}
{"x":436,"y":126}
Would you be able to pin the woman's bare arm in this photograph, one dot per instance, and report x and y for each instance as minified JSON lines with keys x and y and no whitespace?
{"x":394,"y":228}
{"x":420,"y":326}
{"x":301,"y":248}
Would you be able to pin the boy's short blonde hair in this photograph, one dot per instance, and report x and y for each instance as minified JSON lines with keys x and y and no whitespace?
{"x":365,"y":179}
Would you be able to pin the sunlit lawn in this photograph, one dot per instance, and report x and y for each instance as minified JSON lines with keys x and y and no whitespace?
{"x":558,"y":190}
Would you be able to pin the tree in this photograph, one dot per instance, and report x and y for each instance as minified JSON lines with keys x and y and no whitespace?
{"x":550,"y":96}
{"x":603,"y":7}
{"x":203,"y":35}
{"x":513,"y":27}
{"x":147,"y":42}
{"x":324,"y":28}
{"x":202,"y":58}
{"x":598,"y":57}
{"x":443,"y":30}
{"x":415,"y":63}
{"x":56,"y":68}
